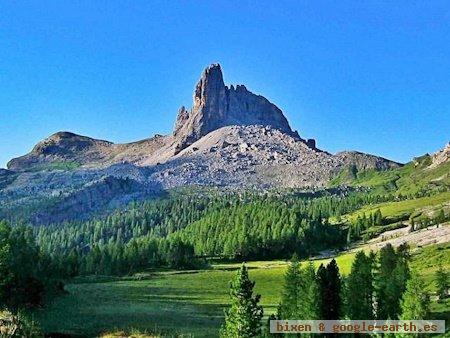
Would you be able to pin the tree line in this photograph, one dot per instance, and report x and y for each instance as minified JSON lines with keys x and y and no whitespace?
{"x":181,"y":230}
{"x":362,"y":223}
{"x":379,"y":286}
{"x":178,"y":231}
{"x":424,"y":220}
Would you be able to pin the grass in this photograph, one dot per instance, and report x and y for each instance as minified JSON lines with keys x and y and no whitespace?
{"x":192,"y":303}
{"x":405,"y":207}
{"x":427,"y":260}
{"x":412,"y":178}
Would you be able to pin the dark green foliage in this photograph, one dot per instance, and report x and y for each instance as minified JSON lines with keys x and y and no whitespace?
{"x":370,"y":291}
{"x":243,"y":319}
{"x":24,"y":270}
{"x":5,"y":261}
{"x":179,"y":254}
{"x":329,"y":281}
{"x":266,"y":332}
{"x":362,"y":223}
{"x":183,"y":230}
{"x":129,"y":240}
{"x":180,"y":231}
{"x":263,"y":229}
{"x":391,"y":277}
{"x":359,"y":288}
{"x":300,"y":297}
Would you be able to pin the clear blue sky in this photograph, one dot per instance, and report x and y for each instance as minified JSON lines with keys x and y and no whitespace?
{"x":372,"y":76}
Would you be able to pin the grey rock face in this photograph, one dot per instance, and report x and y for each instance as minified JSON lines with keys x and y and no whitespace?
{"x":230,"y":138}
{"x":260,"y":157}
{"x":216,"y":106}
{"x":105,"y":193}
{"x":441,"y":156}
{"x":182,"y":117}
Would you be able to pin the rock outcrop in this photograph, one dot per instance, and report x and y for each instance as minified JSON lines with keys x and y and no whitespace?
{"x":216,"y":105}
{"x":440,"y":157}
{"x":230,"y":138}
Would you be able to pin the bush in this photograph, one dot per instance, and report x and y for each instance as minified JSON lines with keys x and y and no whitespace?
{"x":18,"y":326}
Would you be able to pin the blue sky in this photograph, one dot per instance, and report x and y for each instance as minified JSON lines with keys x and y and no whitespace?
{"x":365,"y":75}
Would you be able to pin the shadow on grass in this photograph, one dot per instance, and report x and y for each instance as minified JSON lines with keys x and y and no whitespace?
{"x":90,"y":309}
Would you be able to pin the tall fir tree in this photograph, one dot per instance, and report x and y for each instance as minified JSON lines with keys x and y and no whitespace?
{"x":290,"y":306}
{"x":359,"y":288}
{"x":310,"y":293}
{"x":390,"y":280}
{"x":322,"y":283}
{"x":415,"y":303}
{"x":329,"y":281}
{"x":243,"y":319}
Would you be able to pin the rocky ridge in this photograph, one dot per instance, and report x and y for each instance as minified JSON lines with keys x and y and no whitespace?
{"x":230,"y":138}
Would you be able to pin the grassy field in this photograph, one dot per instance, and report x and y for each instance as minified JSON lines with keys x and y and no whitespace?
{"x":390,"y":209}
{"x":416,"y":176}
{"x":189,"y":302}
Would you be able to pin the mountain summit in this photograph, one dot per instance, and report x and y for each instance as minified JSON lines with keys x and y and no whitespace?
{"x":216,"y":105}
{"x":229,"y":138}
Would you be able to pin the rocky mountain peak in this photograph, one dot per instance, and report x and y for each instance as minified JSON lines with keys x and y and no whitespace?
{"x":210,"y":86}
{"x":216,"y":105}
{"x":440,"y":157}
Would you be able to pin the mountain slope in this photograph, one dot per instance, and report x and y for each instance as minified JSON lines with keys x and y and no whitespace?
{"x":230,"y":138}
{"x":424,"y":174}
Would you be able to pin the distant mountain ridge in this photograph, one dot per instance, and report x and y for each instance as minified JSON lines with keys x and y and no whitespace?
{"x":230,"y":138}
{"x":214,"y":106}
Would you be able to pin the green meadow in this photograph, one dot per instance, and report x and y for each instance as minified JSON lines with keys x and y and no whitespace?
{"x":405,"y":207}
{"x":191,"y":303}
{"x":412,"y":178}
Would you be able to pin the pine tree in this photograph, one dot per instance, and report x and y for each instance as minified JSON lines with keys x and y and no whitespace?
{"x":442,"y":278}
{"x":310,"y":294}
{"x":378,"y":218}
{"x":388,"y":293}
{"x":290,"y":305}
{"x":330,"y":291}
{"x":359,"y":289}
{"x":243,"y":319}
{"x":415,"y":301}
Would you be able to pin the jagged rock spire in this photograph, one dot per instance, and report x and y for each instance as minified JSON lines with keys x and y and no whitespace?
{"x":216,"y":105}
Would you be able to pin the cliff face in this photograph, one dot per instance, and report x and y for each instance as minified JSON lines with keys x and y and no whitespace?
{"x":215,"y":106}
